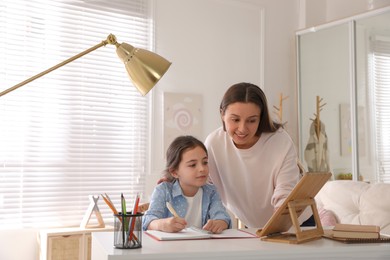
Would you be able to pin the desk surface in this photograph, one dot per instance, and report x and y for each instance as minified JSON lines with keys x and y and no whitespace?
{"x":246,"y":248}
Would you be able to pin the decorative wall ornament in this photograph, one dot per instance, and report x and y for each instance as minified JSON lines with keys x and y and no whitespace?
{"x":182,"y":116}
{"x":345,"y":130}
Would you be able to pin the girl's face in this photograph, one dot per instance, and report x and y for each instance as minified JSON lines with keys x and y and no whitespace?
{"x":241,"y":123}
{"x":193,"y":170}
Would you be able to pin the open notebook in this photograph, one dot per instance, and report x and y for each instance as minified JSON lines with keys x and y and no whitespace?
{"x":191,"y":233}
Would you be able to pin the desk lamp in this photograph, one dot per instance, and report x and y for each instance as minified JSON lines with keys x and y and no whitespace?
{"x":144,"y":68}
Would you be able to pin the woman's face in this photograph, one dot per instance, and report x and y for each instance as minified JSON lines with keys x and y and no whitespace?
{"x":241,"y":123}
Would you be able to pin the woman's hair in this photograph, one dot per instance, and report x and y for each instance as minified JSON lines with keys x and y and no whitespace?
{"x":175,"y":153}
{"x":249,"y":93}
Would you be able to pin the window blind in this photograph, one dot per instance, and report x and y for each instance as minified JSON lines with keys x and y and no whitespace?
{"x":80,"y":130}
{"x":381,"y":78}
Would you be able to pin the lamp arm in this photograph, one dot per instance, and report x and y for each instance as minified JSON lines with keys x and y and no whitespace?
{"x":110,"y":39}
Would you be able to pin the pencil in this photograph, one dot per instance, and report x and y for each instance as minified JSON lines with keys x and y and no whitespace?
{"x":172,"y":210}
{"x":109,"y":204}
{"x":124,"y":223}
{"x":133,"y":219}
{"x":108,"y":198}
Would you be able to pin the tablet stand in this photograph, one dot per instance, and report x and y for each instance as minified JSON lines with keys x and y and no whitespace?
{"x":300,"y":235}
{"x":287,"y":215}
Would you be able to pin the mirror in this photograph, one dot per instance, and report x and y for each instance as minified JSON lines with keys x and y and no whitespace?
{"x":373,"y":96}
{"x":338,"y":130}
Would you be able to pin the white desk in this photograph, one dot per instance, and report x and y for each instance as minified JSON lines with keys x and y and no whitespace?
{"x":252,"y":248}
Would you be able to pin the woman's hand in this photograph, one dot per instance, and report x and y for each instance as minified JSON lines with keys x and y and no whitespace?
{"x":163,"y":179}
{"x":172,"y":224}
{"x":216,"y":226}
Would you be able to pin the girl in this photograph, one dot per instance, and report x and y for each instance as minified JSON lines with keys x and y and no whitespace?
{"x":196,"y":202}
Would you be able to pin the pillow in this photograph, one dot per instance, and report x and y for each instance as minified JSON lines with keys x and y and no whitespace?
{"x":327,"y":217}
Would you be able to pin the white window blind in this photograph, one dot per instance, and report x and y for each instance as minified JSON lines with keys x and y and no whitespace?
{"x":381,"y":77}
{"x":80,"y":130}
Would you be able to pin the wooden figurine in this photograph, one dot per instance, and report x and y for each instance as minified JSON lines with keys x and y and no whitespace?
{"x":317,"y":121}
{"x":279,"y":110}
{"x":93,"y":208}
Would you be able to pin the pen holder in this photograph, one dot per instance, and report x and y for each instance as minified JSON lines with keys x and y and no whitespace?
{"x":128,"y":231}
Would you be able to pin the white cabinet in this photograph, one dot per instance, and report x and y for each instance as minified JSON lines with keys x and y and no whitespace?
{"x":67,"y":243}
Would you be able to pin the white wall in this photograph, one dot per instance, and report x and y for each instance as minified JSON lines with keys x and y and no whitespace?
{"x":323,"y":11}
{"x":337,"y":9}
{"x":18,"y":244}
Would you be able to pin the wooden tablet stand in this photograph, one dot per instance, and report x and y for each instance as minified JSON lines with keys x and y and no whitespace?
{"x":287,"y":215}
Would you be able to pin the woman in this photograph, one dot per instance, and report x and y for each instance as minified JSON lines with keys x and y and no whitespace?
{"x":252,"y":160}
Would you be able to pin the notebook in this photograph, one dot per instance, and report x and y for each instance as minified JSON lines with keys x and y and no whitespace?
{"x":382,"y":239}
{"x":192,"y":233}
{"x":356,"y":231}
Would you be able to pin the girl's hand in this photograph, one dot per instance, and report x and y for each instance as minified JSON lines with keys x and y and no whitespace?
{"x":215,"y":225}
{"x":172,"y":224}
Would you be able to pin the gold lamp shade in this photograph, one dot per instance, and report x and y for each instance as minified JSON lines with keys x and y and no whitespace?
{"x":144,"y":67}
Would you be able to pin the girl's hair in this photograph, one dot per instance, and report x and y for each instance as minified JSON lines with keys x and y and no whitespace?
{"x":249,"y":93}
{"x":175,"y":153}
